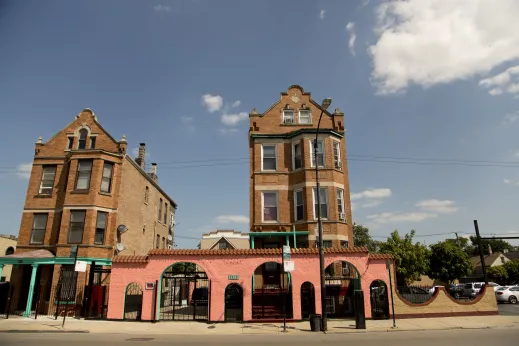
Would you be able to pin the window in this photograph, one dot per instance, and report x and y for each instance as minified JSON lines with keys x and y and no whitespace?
{"x":92,"y":142}
{"x":163,"y":242}
{"x":296,"y":149}
{"x":39,"y":225}
{"x":323,"y":195}
{"x":502,"y":259}
{"x":270,"y":206}
{"x":222,"y":245}
{"x":344,"y":243}
{"x":288,"y":117}
{"x":298,"y":205}
{"x":320,"y":152}
{"x":100,"y":228}
{"x":47,"y":180}
{"x":160,"y":209}
{"x":77,"y":226}
{"x":146,"y":194}
{"x":84,"y":169}
{"x":157,"y":242}
{"x":9,"y":251}
{"x":106,"y":180}
{"x":336,"y":154}
{"x":345,"y":268}
{"x":340,"y":201}
{"x":271,"y":266}
{"x":70,"y":143}
{"x":304,"y":116}
{"x":269,"y":160}
{"x":165,"y":213}
{"x":327,"y":243}
{"x":83,"y":133}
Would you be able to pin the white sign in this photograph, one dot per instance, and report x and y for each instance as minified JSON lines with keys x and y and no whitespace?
{"x":288,"y":266}
{"x":286,"y":252}
{"x":81,"y":266}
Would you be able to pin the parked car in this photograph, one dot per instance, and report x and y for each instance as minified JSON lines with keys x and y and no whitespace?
{"x":508,"y":294}
{"x":455,"y":290}
{"x":416,"y":295}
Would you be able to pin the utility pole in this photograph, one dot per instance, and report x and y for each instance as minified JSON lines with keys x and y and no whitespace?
{"x":458,"y":240}
{"x":481,"y":256}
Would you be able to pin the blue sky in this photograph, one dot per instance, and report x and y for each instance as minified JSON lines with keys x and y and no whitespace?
{"x":426,"y":86}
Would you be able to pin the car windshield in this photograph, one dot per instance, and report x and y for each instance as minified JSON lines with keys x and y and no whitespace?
{"x":468,"y":285}
{"x":477,"y":285}
{"x":502,"y":288}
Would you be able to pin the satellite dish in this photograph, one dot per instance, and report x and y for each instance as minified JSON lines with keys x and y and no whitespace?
{"x":170,"y":237}
{"x":120,"y":247}
{"x":122,"y":228}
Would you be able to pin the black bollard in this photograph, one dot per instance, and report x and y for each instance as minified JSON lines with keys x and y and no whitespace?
{"x":360,"y":315}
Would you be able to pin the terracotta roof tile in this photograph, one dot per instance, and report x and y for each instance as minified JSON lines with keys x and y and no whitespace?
{"x":223,"y":252}
{"x":130,"y":259}
{"x":377,"y":256}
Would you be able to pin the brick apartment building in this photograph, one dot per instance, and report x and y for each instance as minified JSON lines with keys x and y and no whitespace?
{"x":83,"y":188}
{"x":282,"y":170}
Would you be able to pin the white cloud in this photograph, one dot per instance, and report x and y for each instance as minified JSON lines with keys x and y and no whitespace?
{"x":400,"y":217}
{"x":233,"y":119}
{"x":371,"y":204}
{"x":428,"y":42}
{"x":371,"y":193}
{"x":24,"y":170}
{"x":236,"y":104}
{"x":185,"y":119}
{"x":227,"y":131}
{"x":350,"y":27}
{"x":232,"y":219}
{"x":162,"y":8}
{"x":438,"y":206}
{"x":213,"y":103}
{"x":365,"y":2}
{"x":510,"y":118}
{"x":511,"y":182}
{"x":516,"y":154}
{"x":507,"y":81}
{"x":321,"y":14}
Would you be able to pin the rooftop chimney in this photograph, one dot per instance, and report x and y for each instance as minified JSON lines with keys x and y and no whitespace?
{"x":153,"y":173}
{"x":142,"y":154}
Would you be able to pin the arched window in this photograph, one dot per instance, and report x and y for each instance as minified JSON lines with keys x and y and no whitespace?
{"x":157,"y":242}
{"x":146,"y":194}
{"x":9,"y":251}
{"x":83,"y":133}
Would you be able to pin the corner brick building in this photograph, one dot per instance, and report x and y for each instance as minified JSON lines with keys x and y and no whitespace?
{"x":282,"y":174}
{"x":83,"y":186}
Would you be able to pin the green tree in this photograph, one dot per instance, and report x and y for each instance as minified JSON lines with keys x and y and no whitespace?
{"x":512,"y":270}
{"x":497,"y":245}
{"x":463,"y":243}
{"x":411,"y":258}
{"x":498,"y":274}
{"x":361,"y":238}
{"x":448,"y":262}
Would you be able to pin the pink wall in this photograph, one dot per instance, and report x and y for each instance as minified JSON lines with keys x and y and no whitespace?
{"x":218,"y":267}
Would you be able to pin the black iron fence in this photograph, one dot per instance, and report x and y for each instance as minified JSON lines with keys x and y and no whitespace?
{"x":184,"y":299}
{"x":271,"y":302}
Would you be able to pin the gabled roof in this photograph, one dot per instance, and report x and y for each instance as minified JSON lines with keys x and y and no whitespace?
{"x":489,"y":259}
{"x":225,"y":239}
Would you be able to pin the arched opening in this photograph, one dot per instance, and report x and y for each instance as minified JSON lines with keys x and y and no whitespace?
{"x":341,"y":280}
{"x":83,"y":133}
{"x":9,"y":251}
{"x":133,"y":302}
{"x":379,"y":300}
{"x":307,"y":299}
{"x":184,"y":293}
{"x":271,"y":292}
{"x":233,"y":303}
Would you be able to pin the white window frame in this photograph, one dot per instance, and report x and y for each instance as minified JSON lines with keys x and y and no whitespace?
{"x":294,"y":155}
{"x":336,"y":158}
{"x":284,"y":117}
{"x":263,"y":207}
{"x":43,"y":175}
{"x":340,"y":196}
{"x":275,"y":156}
{"x":309,"y":117}
{"x":296,"y":205}
{"x":312,"y":158}
{"x":314,"y":197}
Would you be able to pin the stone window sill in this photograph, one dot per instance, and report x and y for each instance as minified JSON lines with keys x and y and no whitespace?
{"x":42,"y":196}
{"x":80,"y":192}
{"x":109,"y":194}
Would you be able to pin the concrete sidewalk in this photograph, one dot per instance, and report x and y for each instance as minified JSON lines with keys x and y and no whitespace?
{"x":45,"y":325}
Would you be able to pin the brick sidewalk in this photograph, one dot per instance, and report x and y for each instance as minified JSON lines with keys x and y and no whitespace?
{"x":334,"y":326}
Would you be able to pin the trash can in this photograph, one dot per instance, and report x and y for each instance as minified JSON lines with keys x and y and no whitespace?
{"x":315,"y":323}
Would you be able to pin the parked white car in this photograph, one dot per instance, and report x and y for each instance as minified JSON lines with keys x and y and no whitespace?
{"x":508,"y":294}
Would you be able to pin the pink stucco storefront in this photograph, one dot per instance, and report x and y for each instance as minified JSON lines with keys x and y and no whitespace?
{"x":222,"y":265}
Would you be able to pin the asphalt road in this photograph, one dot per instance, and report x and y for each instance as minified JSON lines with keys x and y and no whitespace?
{"x":506,"y":309}
{"x":462,"y":337}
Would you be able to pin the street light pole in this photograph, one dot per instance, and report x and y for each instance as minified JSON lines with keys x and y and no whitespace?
{"x":324,"y":324}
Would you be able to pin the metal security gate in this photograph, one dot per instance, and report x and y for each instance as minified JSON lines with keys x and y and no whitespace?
{"x":307,"y":300}
{"x":133,"y":302}
{"x":184,"y":295}
{"x":379,"y":300}
{"x":233,"y":303}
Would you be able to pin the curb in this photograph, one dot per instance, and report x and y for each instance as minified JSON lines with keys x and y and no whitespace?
{"x":43,"y":331}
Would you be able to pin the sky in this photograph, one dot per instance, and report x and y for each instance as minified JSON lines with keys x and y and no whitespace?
{"x":429,"y":89}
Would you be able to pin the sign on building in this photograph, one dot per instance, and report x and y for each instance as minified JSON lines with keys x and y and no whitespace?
{"x":288,"y":266}
{"x":81,"y":266}
{"x":286,"y":253}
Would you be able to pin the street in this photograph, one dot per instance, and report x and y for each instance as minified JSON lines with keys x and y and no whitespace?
{"x":462,"y":337}
{"x":507,"y":309}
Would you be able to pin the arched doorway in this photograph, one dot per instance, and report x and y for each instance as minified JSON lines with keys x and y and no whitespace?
{"x":307,"y":299}
{"x":233,"y":303}
{"x":271,"y":292}
{"x":184,"y":293}
{"x":133,"y":302}
{"x":379,"y":300}
{"x":341,"y":280}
